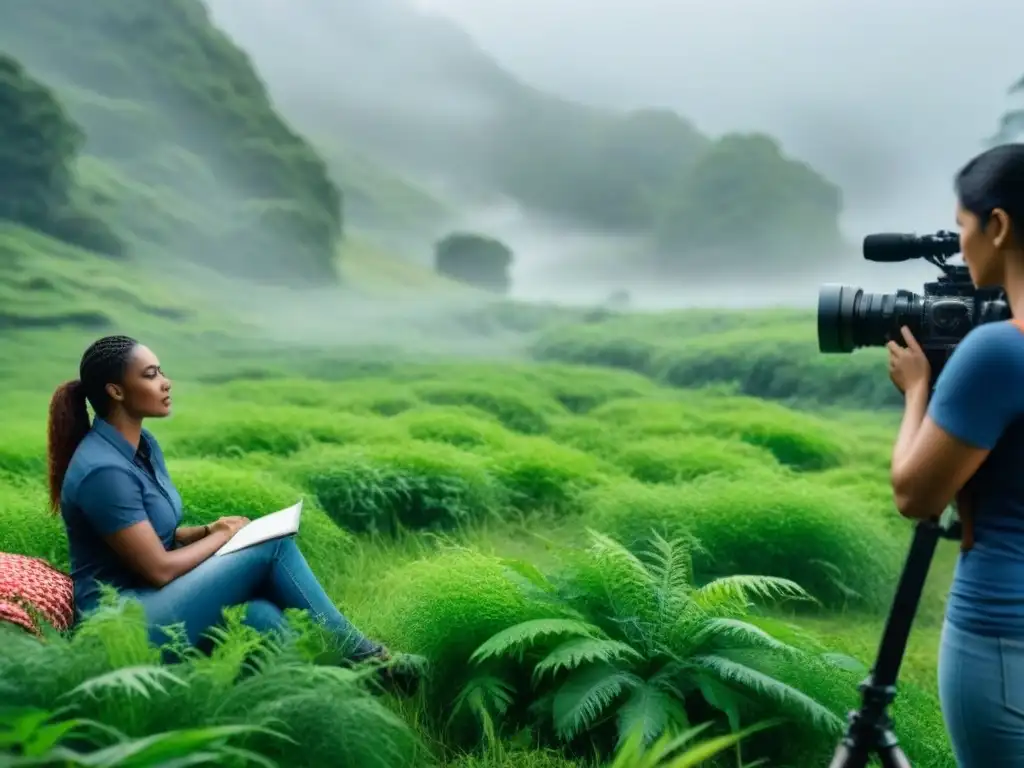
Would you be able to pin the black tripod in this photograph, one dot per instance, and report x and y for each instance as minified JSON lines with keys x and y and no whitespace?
{"x":869,"y":729}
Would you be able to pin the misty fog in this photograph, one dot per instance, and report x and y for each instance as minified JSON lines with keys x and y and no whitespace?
{"x":885,"y":97}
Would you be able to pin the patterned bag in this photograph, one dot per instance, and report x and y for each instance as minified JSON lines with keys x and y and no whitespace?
{"x":31,"y":588}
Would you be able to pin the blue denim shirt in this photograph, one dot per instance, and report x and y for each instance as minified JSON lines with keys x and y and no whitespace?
{"x":979,"y":398}
{"x":110,"y":486}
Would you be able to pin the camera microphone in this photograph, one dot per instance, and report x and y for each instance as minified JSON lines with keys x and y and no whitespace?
{"x":892,"y":246}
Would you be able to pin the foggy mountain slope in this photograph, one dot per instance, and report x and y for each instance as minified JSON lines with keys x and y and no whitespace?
{"x":184,"y":150}
{"x":424,"y":98}
{"x":886,"y":97}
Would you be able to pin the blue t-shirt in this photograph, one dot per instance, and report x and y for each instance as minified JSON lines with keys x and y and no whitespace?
{"x":979,"y":398}
{"x":110,"y":486}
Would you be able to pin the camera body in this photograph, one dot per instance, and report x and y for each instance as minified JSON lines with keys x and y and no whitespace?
{"x":849,"y":318}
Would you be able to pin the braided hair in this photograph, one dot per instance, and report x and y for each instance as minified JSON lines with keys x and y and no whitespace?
{"x":104,"y":362}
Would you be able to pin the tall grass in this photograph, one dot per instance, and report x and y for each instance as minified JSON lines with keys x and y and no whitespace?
{"x":509,"y":525}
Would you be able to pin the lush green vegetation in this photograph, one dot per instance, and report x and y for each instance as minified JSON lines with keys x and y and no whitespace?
{"x":573,"y":554}
{"x":184,"y":149}
{"x":765,"y":353}
{"x":599,"y":536}
{"x":474,"y":259}
{"x":439,"y":106}
{"x":40,"y":145}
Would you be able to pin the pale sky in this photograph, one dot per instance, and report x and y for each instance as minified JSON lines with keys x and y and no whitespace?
{"x":886,"y":96}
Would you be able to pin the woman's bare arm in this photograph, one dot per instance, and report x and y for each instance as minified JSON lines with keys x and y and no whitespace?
{"x":142,"y":551}
{"x":189,"y":534}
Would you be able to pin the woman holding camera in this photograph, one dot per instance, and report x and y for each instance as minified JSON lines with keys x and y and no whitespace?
{"x":972,"y":432}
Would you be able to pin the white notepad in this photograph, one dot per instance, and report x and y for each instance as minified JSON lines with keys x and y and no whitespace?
{"x":284,"y":522}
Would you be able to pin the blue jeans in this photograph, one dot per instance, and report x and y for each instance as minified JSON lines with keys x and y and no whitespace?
{"x":267,"y":578}
{"x":981,"y":686}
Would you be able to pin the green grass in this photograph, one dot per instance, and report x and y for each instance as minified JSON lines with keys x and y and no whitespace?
{"x":531,"y":530}
{"x":765,"y":353}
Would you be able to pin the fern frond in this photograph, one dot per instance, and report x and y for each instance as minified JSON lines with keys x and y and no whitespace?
{"x":587,"y":692}
{"x":671,"y":566}
{"x":731,"y":591}
{"x":651,"y":710}
{"x":518,"y":636}
{"x":579,"y":650}
{"x":482,"y":695}
{"x":730,"y":633}
{"x":603,"y":546}
{"x":756,"y":683}
{"x":143,"y":680}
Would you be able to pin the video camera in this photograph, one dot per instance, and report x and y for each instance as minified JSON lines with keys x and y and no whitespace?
{"x":849,"y":318}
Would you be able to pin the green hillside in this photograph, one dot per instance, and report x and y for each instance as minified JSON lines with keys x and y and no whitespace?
{"x":183,"y":144}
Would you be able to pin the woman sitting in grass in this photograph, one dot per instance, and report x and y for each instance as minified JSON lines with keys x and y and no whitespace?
{"x":123,"y":514}
{"x":971,"y":433}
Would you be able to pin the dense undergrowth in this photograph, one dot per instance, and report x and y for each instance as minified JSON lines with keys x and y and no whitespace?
{"x":574,"y":554}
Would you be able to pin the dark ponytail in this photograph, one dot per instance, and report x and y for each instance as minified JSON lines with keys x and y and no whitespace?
{"x":68,"y":424}
{"x":104,"y":362}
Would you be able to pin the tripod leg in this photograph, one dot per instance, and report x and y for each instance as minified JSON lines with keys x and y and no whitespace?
{"x":893,"y":757}
{"x":847,"y":756}
{"x":869,"y":729}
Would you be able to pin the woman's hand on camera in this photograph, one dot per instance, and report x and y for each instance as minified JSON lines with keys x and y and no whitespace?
{"x":909,"y":369}
{"x":229,"y":525}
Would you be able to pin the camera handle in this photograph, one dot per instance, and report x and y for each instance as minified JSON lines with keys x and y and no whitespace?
{"x":869,"y":729}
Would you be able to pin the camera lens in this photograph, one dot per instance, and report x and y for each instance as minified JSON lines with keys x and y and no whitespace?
{"x":849,"y":318}
{"x":836,"y":310}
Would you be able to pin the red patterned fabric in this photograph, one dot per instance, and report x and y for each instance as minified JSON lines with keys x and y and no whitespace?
{"x":27,"y":585}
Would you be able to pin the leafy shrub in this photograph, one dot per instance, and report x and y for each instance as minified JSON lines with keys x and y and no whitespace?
{"x":632,"y":642}
{"x":284,"y":391}
{"x":516,"y":411}
{"x":765,"y":353}
{"x":210,"y":489}
{"x":40,"y":737}
{"x":282,"y":431}
{"x":788,"y":527}
{"x":538,"y":474}
{"x":665,"y":460}
{"x":475,"y":259}
{"x":464,"y":427}
{"x":663,"y":416}
{"x":410,"y":484}
{"x":109,"y":673}
{"x":797,"y":440}
{"x":444,"y":606}
{"x":580,"y":389}
{"x":586,"y":434}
